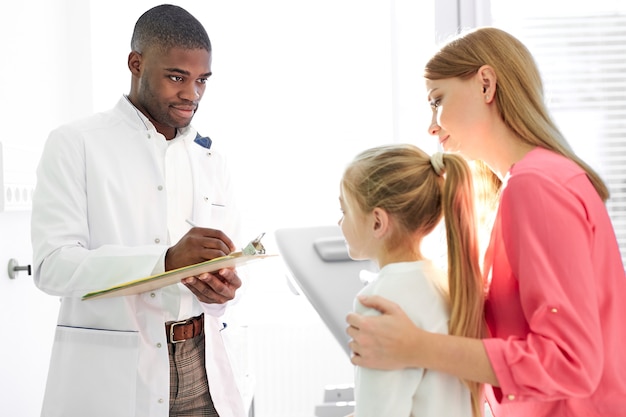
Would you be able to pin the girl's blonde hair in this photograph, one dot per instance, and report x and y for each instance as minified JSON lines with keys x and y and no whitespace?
{"x":402,"y":180}
{"x":519,"y":92}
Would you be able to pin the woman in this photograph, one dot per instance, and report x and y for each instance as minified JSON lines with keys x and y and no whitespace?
{"x":554,"y":306}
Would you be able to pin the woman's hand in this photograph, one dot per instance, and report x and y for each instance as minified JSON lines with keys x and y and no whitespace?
{"x":389,"y":341}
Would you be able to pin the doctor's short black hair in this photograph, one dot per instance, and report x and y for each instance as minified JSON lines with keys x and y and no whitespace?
{"x":168,"y":26}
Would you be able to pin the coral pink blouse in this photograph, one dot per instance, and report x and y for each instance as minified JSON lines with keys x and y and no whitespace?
{"x":556,"y":307}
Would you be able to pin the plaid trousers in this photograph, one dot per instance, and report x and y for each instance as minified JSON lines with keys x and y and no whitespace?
{"x":189,"y":387}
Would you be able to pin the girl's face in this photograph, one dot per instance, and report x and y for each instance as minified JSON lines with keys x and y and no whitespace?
{"x":354,"y":225}
{"x":459,"y":112}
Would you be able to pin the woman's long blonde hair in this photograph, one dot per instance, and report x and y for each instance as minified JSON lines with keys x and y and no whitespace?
{"x":402,"y":180}
{"x":519,"y":92}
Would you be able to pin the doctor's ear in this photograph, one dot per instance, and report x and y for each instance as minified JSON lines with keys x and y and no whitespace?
{"x":134,"y":62}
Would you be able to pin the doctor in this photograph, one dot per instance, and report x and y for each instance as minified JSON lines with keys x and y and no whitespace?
{"x":114,"y":193}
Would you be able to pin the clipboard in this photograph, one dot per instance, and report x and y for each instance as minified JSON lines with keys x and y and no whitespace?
{"x":254,"y":251}
{"x":174,"y":276}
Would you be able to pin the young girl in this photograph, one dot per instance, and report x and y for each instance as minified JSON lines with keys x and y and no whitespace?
{"x":555,"y":305}
{"x":391,"y":198}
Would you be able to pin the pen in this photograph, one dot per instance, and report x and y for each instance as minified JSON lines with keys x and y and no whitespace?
{"x":191,"y":223}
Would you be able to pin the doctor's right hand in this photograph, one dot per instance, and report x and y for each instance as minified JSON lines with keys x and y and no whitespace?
{"x":199,"y":244}
{"x":202,"y":244}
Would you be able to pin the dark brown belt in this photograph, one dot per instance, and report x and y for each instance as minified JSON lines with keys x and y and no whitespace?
{"x":179,"y":331}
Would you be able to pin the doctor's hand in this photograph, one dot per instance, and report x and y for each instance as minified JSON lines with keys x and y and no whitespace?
{"x":389,"y":341}
{"x":199,"y":244}
{"x":214,"y":288}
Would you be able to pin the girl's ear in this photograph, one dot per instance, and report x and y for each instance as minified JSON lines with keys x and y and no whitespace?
{"x":380,"y":222}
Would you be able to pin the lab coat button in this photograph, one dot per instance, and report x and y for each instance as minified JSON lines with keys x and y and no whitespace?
{"x":160,"y":400}
{"x":157,"y":240}
{"x":511,"y":397}
{"x":159,"y":345}
{"x":160,"y":188}
{"x":152,"y":295}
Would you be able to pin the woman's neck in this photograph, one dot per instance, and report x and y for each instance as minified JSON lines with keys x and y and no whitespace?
{"x":507,"y":150}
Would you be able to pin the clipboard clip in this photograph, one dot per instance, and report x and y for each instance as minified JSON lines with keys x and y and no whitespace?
{"x":255,"y":247}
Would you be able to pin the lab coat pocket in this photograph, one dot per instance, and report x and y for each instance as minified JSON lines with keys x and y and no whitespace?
{"x":219,"y":217}
{"x":92,"y":373}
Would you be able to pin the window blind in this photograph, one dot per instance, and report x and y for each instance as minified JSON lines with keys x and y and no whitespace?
{"x":582,"y":60}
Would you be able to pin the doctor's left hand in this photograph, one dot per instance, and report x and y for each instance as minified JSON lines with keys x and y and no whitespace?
{"x":201,"y":244}
{"x":216,"y":288}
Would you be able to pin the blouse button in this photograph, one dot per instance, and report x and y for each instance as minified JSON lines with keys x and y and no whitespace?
{"x":554,"y":310}
{"x":152,"y":295}
{"x":511,"y":397}
{"x":157,"y":240}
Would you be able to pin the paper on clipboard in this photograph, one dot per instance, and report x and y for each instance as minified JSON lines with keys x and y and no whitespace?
{"x":252,"y":252}
{"x":174,"y":276}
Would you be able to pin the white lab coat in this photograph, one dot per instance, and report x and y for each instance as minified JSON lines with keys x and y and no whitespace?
{"x":99,"y":218}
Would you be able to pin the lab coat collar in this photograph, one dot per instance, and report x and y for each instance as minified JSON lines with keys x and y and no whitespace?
{"x":133,"y":114}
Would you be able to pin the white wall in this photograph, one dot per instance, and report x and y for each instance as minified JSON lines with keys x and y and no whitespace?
{"x":299,"y":87}
{"x":42,"y":84}
{"x":29,"y":318}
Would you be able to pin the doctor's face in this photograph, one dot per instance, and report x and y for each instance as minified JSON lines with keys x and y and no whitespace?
{"x":171,"y":85}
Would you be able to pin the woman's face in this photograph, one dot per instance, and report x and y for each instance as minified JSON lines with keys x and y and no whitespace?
{"x":459,"y":114}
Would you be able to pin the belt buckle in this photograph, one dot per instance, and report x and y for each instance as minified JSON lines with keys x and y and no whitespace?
{"x":178,"y":323}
